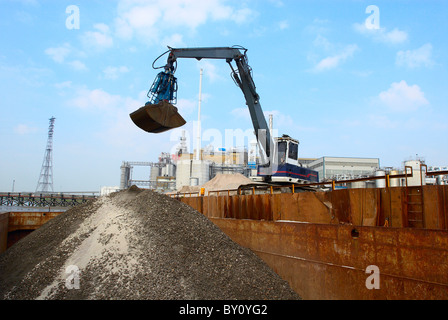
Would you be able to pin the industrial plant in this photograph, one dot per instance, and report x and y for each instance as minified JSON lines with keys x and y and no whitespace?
{"x":173,"y":172}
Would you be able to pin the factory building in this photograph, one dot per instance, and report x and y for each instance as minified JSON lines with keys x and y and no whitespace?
{"x":184,"y":169}
{"x":343,"y":168}
{"x":340,"y":168}
{"x":191,"y":171}
{"x":439,"y":179}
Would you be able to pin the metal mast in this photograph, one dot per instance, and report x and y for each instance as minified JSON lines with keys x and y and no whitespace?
{"x":45,"y":183}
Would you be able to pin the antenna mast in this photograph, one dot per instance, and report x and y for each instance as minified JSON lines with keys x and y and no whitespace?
{"x":45,"y":183}
{"x":198,"y":147}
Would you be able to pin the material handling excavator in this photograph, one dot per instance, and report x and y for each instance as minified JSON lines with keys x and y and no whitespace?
{"x":279,"y":155}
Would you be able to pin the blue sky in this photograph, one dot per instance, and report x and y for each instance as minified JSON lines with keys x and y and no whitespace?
{"x":332,"y":78}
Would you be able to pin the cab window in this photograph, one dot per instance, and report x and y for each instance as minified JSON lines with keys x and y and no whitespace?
{"x":293,"y":151}
{"x":281,"y":152}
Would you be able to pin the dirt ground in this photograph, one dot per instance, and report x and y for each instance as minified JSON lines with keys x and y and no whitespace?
{"x":135,"y":244}
{"x":220,"y":182}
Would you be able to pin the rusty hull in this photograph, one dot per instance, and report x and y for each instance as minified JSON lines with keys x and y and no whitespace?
{"x":3,"y":231}
{"x":328,"y":262}
{"x":29,"y":220}
{"x":20,"y":224}
{"x":322,"y":243}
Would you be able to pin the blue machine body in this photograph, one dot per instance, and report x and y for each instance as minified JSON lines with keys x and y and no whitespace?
{"x":289,"y":171}
{"x":164,"y":87}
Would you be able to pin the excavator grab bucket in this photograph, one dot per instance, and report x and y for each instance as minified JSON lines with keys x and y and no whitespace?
{"x":157,"y":118}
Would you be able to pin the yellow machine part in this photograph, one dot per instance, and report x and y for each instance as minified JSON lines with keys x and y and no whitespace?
{"x":157,"y":118}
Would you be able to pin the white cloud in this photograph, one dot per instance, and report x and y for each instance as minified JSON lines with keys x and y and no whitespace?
{"x":99,"y":39}
{"x":415,"y":58}
{"x":240,"y":113}
{"x":114,"y":126}
{"x":96,"y":99}
{"x":280,"y":120}
{"x":147,"y":19}
{"x":242,"y":15}
{"x":335,"y":60}
{"x":401,"y":97}
{"x":63,"y":85}
{"x":186,"y":106}
{"x":283,"y":24}
{"x":59,"y":54}
{"x":317,"y":27}
{"x":78,"y":65}
{"x":174,"y":40}
{"x":277,"y":3}
{"x":113,"y":73}
{"x":322,"y":42}
{"x":23,"y":129}
{"x":27,"y":2}
{"x":142,"y":16}
{"x":381,"y":122}
{"x":210,"y":70}
{"x":123,"y":29}
{"x":395,"y":36}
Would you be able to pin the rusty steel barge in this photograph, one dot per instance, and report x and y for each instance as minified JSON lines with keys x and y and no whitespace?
{"x":335,"y":245}
{"x":326,"y":244}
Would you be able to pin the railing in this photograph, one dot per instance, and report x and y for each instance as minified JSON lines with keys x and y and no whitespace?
{"x":43,"y":200}
{"x":330,"y":184}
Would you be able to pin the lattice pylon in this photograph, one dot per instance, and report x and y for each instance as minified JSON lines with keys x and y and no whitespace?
{"x":45,"y":183}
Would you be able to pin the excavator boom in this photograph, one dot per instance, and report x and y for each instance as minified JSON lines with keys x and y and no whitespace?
{"x":279,"y":158}
{"x":159,"y":114}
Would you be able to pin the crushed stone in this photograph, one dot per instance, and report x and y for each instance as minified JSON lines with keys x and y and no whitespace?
{"x":135,"y":244}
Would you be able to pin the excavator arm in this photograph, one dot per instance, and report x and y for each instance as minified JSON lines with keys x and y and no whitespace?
{"x":159,"y":114}
{"x":279,"y":157}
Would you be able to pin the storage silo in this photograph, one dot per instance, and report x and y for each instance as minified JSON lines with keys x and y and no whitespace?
{"x":154,"y":173}
{"x":125,"y":175}
{"x":418,"y":178}
{"x":183,"y":173}
{"x":201,"y":170}
{"x":170,"y":170}
{"x":358,"y":185}
{"x":394,"y":182}
{"x":194,"y":181}
{"x":187,"y":169}
{"x":380,"y":183}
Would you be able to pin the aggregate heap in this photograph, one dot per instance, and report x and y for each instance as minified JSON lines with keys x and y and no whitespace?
{"x":135,"y":244}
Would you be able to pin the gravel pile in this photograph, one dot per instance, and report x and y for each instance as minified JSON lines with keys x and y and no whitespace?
{"x":135,"y":244}
{"x":220,"y":182}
